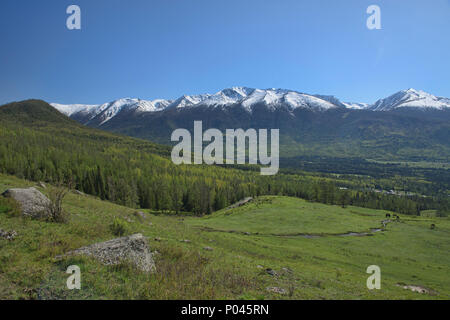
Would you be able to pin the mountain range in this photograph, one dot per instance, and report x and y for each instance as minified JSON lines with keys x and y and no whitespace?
{"x":410,"y":125}
{"x":247,"y":99}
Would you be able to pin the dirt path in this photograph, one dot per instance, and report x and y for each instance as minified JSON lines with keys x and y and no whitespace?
{"x":371,"y":232}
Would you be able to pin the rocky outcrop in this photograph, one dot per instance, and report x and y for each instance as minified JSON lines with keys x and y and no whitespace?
{"x":241,"y":203}
{"x":277,"y":290}
{"x":133,"y":249}
{"x":32,"y":202}
{"x":8,"y":235}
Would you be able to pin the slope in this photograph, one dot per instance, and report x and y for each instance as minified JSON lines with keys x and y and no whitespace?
{"x":332,"y":267}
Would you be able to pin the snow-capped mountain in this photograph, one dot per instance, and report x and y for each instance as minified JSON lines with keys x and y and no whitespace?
{"x":411,"y":98}
{"x":248,"y":98}
{"x":245,"y":97}
{"x":107,"y":111}
{"x":273,"y":98}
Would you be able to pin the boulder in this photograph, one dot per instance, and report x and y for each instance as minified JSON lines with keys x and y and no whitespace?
{"x":276,"y":290}
{"x":32,"y":202}
{"x":133,"y":249}
{"x":8,"y":235}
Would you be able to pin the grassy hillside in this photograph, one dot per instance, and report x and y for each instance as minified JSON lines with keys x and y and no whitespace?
{"x":328,"y":267}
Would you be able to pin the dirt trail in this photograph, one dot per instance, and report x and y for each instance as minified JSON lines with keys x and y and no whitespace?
{"x":371,"y":232}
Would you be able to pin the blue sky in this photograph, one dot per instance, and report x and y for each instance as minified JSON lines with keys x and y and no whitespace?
{"x":165,"y":48}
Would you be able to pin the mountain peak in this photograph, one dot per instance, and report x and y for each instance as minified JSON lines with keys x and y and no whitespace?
{"x":410,"y":98}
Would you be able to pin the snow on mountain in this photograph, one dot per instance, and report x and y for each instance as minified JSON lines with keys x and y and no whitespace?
{"x":70,"y":109}
{"x":356,"y":105}
{"x":248,"y":98}
{"x":292,"y":99}
{"x":222,"y":98}
{"x":161,"y":104}
{"x":107,"y":111}
{"x":187,"y":101}
{"x":411,"y":98}
{"x":228,"y":96}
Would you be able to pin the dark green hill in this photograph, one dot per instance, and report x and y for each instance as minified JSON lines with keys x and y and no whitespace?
{"x":33,"y":112}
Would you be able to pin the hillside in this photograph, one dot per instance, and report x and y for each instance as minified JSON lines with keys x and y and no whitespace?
{"x":326,"y":267}
{"x":39,"y":143}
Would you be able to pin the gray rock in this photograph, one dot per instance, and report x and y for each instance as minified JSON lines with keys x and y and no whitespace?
{"x":8,"y":235}
{"x":276,"y":290}
{"x":140,"y":214}
{"x":414,"y":288}
{"x":208,"y":248}
{"x":42,"y":185}
{"x":271,"y":272}
{"x":240,"y":203}
{"x":133,"y":249}
{"x":78,"y":192}
{"x":32,"y":202}
{"x":286,"y":270}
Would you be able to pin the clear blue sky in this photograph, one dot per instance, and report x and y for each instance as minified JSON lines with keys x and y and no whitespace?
{"x":165,"y":48}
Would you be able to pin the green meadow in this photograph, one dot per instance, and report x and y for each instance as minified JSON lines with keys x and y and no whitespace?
{"x":304,"y":243}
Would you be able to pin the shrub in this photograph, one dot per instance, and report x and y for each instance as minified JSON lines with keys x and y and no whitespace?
{"x":54,"y":207}
{"x":118,"y":227}
{"x":9,"y":206}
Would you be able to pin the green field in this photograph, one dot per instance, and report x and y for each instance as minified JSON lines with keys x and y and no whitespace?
{"x":300,"y":240}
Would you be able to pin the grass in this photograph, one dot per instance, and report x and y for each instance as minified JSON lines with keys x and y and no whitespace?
{"x":330,"y":267}
{"x":284,"y":216}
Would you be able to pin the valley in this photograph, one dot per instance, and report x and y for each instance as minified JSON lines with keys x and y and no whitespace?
{"x":310,"y":231}
{"x":255,"y":251}
{"x":225,"y":159}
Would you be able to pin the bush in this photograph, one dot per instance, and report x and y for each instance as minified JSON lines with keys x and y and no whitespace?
{"x":54,"y":207}
{"x":9,"y":206}
{"x":118,"y":227}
